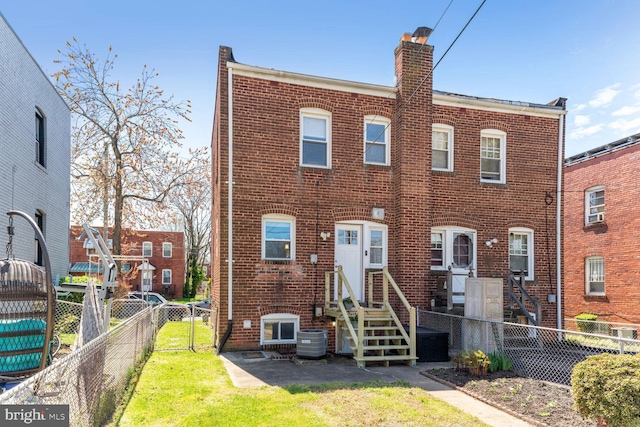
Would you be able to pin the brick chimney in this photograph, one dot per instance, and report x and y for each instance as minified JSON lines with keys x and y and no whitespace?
{"x":412,"y":163}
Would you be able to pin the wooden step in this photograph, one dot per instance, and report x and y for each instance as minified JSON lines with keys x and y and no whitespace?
{"x":385,"y":347}
{"x":385,"y":358}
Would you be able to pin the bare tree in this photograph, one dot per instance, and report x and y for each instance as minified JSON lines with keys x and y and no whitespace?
{"x":193,"y":203}
{"x":125,"y":143}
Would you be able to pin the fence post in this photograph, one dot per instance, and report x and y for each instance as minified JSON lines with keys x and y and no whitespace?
{"x":450,"y":289}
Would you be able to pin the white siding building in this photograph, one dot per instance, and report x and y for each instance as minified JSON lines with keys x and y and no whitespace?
{"x":34,"y":154}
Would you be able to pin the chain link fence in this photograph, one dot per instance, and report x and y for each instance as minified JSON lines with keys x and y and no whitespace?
{"x":540,"y":353}
{"x":92,"y":379}
{"x":191,"y":328}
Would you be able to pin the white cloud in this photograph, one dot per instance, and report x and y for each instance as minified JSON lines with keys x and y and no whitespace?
{"x":578,"y":108}
{"x":581,"y":120}
{"x":582,"y":132}
{"x":604,"y":96}
{"x":627,"y":126}
{"x":636,"y":87}
{"x":627,"y":110}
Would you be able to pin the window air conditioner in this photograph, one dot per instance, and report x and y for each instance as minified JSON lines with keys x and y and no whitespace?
{"x":600,"y":217}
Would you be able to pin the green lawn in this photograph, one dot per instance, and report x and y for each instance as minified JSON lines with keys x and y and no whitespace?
{"x":183,"y":388}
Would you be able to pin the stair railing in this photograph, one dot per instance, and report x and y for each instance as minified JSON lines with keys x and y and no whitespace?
{"x":524,"y":298}
{"x":356,"y":335}
{"x":386,"y":281}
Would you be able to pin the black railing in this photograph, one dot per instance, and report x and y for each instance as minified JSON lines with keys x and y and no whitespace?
{"x":522,"y":298}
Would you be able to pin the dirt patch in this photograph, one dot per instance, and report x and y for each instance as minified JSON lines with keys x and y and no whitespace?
{"x":538,"y":402}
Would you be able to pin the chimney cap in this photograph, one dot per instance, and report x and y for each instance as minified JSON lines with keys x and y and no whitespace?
{"x":422,"y":32}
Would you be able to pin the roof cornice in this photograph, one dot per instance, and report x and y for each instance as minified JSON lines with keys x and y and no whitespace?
{"x":312,"y":81}
{"x":439,"y":98}
{"x":496,"y":105}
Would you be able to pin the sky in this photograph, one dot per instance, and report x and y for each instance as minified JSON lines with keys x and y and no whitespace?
{"x":520,"y":50}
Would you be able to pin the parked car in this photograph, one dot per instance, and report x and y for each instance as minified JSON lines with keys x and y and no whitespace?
{"x":174,"y":311}
{"x":152,"y":298}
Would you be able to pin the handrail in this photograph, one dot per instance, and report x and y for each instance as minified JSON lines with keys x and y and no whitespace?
{"x":411,"y":337}
{"x":524,"y":295}
{"x":342,"y":281}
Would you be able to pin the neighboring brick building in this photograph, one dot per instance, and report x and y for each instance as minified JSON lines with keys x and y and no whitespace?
{"x":163,"y":249}
{"x":602,"y":221}
{"x":35,"y":160}
{"x":327,"y":172}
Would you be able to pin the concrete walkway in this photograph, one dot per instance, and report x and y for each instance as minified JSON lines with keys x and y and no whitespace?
{"x":256,"y":369}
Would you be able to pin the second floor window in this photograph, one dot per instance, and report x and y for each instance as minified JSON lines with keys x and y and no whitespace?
{"x":376,"y":140}
{"x":493,"y":156}
{"x":442,"y":147}
{"x":40,"y":140}
{"x":167,"y":249}
{"x":594,"y":200}
{"x":147,"y":249}
{"x":315,"y":138}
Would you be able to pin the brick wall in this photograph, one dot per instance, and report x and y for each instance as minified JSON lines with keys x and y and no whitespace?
{"x":132,"y":245}
{"x":32,"y":187}
{"x":615,"y":239}
{"x":269,"y":179}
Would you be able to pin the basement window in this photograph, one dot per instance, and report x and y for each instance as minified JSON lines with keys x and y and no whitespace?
{"x":279,"y":328}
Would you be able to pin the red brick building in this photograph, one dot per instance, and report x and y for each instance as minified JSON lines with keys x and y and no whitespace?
{"x":164,"y":251}
{"x":601,"y":257}
{"x":311,"y":172}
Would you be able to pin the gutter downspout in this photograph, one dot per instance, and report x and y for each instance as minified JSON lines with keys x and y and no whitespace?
{"x":229,"y":218}
{"x":559,"y":224}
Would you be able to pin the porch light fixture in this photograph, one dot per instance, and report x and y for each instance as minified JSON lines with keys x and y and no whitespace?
{"x":325,"y":236}
{"x":491,"y":242}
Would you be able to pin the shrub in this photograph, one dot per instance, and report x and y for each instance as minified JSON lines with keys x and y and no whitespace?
{"x":476,"y":362}
{"x":606,"y":388}
{"x":586,"y":322}
{"x":499,"y":362}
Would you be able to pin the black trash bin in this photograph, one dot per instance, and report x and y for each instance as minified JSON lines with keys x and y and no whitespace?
{"x":431,"y":346}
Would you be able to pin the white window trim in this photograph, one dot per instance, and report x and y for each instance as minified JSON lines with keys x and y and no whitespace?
{"x":170,"y":246}
{"x":587,"y":192}
{"x":368,"y":227}
{"x":280,"y":317}
{"x":587,"y":282}
{"x":321,"y":114}
{"x":447,"y":241}
{"x":170,"y":276}
{"x":151,"y":249}
{"x":377,"y":120}
{"x":530,"y":250}
{"x":449,"y":129}
{"x":443,"y":234}
{"x":495,"y":133}
{"x":280,"y":218}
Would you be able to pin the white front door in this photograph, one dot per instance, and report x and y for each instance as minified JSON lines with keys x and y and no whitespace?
{"x":462,"y":251}
{"x":348,"y":254}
